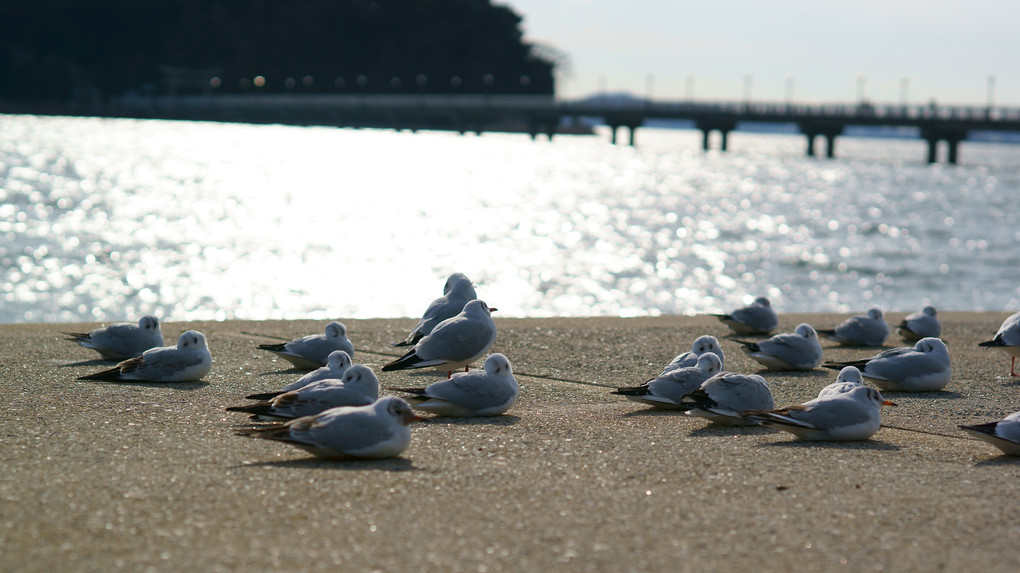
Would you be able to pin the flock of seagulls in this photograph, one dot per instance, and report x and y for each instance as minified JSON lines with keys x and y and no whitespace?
{"x":335,"y":410}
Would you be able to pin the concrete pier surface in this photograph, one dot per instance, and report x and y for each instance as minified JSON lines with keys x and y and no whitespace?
{"x":101,"y":476}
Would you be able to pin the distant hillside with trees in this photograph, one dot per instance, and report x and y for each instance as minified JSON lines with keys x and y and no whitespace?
{"x":63,"y":50}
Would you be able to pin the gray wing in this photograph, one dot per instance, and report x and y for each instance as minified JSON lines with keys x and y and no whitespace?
{"x":470,"y":390}
{"x":319,"y":398}
{"x":343,"y":431}
{"x":902,"y":365}
{"x":458,"y":339}
{"x":161,"y":364}
{"x":791,"y":348}
{"x":317,"y":348}
{"x":683,"y":360}
{"x":863,"y":329}
{"x":740,"y":392}
{"x":832,"y":413}
{"x":756,"y":316}
{"x":678,"y":383}
{"x":1010,"y":330}
{"x":439,"y":310}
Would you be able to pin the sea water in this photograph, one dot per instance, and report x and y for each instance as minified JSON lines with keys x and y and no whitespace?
{"x":104,"y":219}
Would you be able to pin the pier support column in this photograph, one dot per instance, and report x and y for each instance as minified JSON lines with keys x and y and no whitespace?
{"x":933,"y":149}
{"x":707,"y":126}
{"x":954,"y":146}
{"x":630,"y":121}
{"x":812,"y":130}
{"x":830,"y":145}
{"x":952,"y":137}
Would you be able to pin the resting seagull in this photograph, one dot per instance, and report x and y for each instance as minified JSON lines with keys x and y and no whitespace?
{"x":455,"y":343}
{"x":189,"y":360}
{"x":457,"y":292}
{"x":378,"y":430}
{"x":123,"y":340}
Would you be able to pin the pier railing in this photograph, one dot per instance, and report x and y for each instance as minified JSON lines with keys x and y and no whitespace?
{"x":548,"y":115}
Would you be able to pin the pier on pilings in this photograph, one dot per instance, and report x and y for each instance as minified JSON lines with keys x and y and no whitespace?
{"x":952,"y":137}
{"x":631,"y":122}
{"x":707,"y":126}
{"x":830,"y":132}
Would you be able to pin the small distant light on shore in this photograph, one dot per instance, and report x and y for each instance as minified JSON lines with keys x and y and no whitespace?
{"x":215,"y":82}
{"x":259,"y":81}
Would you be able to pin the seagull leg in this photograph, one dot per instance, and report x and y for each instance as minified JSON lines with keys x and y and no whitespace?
{"x":1012,"y":366}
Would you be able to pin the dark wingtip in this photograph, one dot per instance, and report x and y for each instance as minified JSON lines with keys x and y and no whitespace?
{"x":111,"y":374}
{"x":265,"y":397}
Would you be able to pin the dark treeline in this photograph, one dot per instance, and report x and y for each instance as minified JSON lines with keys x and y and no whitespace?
{"x":61,"y":50}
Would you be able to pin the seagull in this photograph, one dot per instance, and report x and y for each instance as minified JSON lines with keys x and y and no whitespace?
{"x":866,"y":330}
{"x":923,"y":368}
{"x":455,"y":343}
{"x":1007,"y":339}
{"x":920,"y":325}
{"x":845,"y":417}
{"x":123,"y":340}
{"x":756,"y":318}
{"x":358,"y":387}
{"x":336,"y":364}
{"x":1004,"y":434}
{"x":723,"y":397}
{"x":457,"y":292}
{"x":188,"y":361}
{"x":488,"y":392}
{"x":310,"y":352}
{"x":799,"y":350}
{"x":848,"y":378}
{"x":378,"y":430}
{"x":701,"y":345}
{"x":666,"y":390}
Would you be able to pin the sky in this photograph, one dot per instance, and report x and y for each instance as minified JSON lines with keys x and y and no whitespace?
{"x":956,"y":52}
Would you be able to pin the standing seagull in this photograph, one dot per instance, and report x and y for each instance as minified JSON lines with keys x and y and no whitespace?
{"x":666,"y":390}
{"x":701,"y":345}
{"x":756,"y":318}
{"x":359,"y":387}
{"x":920,"y":325}
{"x":845,"y":417}
{"x":488,"y":392}
{"x":123,"y":340}
{"x":455,"y":343}
{"x":866,"y":330}
{"x":923,"y":368}
{"x":310,"y":352}
{"x":798,"y":350}
{"x":457,"y":292}
{"x":1004,"y":434}
{"x":336,"y":364}
{"x":1007,"y":339}
{"x":188,"y":361}
{"x":378,"y":430}
{"x":724,"y":397}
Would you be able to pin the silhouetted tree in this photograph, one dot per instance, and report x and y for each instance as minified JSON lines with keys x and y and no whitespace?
{"x":59,"y":50}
